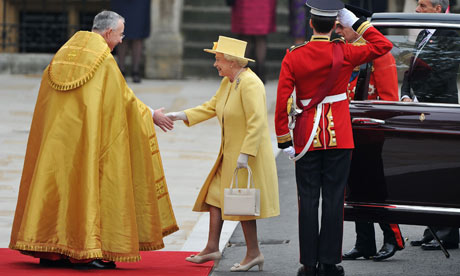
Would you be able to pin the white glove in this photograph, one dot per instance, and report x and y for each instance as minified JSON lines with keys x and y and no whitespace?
{"x":346,"y":18}
{"x":242,"y":161}
{"x":177,"y":116}
{"x":289,"y":151}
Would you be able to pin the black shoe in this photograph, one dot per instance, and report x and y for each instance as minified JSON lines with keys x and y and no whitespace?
{"x":306,"y":270}
{"x":434,"y":245}
{"x":421,"y":241}
{"x":57,"y":263}
{"x":330,"y":270}
{"x":96,"y":264}
{"x":387,"y":250}
{"x":355,"y":253}
{"x":136,"y":77}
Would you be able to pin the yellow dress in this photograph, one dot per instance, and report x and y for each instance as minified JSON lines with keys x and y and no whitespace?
{"x":93,"y":184}
{"x":240,"y":107}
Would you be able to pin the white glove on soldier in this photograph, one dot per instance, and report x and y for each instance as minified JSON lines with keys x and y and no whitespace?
{"x":177,"y":116}
{"x":289,"y":151}
{"x":242,"y":161}
{"x":346,"y":18}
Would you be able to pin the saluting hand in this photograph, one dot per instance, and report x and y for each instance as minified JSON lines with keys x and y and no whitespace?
{"x":162,"y":120}
{"x":346,"y":18}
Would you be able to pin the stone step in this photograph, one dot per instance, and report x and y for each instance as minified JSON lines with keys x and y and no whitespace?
{"x":280,"y":3}
{"x":202,"y":32}
{"x":208,"y":3}
{"x":218,"y":14}
{"x":202,"y":23}
{"x":202,"y":68}
{"x":194,"y":50}
{"x":208,"y":15}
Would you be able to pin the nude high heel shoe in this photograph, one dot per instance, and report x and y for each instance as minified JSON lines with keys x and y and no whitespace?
{"x":259,"y":260}
{"x":214,"y":256}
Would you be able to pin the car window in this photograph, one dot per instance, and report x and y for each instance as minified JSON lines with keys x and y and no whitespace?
{"x":427,"y":64}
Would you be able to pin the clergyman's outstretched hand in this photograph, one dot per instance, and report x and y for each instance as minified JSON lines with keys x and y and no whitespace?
{"x":163,"y":121}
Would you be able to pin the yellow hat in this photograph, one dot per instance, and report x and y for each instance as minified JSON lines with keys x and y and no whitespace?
{"x":229,"y":46}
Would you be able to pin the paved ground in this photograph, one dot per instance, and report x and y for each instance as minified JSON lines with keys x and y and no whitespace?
{"x":188,"y":153}
{"x":279,"y":244}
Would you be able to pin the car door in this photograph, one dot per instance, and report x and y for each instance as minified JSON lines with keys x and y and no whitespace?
{"x":406,"y":162}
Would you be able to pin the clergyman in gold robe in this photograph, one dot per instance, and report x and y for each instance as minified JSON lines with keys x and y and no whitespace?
{"x":93,"y":190}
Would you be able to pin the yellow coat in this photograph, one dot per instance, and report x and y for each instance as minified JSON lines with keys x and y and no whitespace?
{"x":93,"y":185}
{"x":241,"y":110}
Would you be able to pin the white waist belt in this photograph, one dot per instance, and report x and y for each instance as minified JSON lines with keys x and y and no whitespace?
{"x":328,"y":99}
{"x":319,"y":110}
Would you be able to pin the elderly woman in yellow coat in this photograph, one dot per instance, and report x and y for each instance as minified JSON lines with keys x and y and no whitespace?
{"x":240,"y":107}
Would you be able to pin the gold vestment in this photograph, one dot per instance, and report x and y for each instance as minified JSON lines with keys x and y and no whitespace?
{"x":93,"y":184}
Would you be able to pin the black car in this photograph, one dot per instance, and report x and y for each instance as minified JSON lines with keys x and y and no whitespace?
{"x":406,"y":163}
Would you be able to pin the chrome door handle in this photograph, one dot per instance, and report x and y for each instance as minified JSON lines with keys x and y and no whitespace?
{"x":367,"y":121}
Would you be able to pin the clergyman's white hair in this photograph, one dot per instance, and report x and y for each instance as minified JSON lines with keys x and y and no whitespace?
{"x":106,"y":20}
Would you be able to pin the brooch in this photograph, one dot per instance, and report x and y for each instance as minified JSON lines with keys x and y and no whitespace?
{"x":237,"y":82}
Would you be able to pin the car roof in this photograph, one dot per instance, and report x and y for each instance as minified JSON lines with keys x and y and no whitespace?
{"x":436,"y":20}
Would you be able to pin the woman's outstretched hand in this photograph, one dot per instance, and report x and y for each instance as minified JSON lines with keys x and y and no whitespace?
{"x":180,"y":115}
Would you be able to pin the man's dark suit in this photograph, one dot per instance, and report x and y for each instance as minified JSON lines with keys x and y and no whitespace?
{"x":433,"y":78}
{"x":433,"y":75}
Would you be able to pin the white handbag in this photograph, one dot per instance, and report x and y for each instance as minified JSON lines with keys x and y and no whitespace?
{"x":242,"y":201}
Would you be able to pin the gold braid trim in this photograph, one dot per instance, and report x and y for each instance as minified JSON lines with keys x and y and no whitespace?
{"x":284,"y":138}
{"x":363,"y":27}
{"x":144,"y":246}
{"x":170,"y":230}
{"x":82,"y":255}
{"x":77,"y":83}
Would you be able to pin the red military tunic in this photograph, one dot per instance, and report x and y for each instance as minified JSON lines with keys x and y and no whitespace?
{"x":305,"y":68}
{"x":383,"y":84}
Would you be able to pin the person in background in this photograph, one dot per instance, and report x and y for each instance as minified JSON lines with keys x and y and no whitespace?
{"x":383,"y":85}
{"x":240,"y":107}
{"x":92,"y":190}
{"x":137,"y":14}
{"x":428,"y":79}
{"x":252,"y":20}
{"x":298,"y":20}
{"x":319,"y":71}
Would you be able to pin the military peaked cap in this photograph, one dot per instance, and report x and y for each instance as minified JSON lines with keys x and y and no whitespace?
{"x":326,"y":8}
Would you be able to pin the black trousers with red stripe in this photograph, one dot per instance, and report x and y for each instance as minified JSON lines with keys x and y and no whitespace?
{"x":325,"y":173}
{"x":365,"y":236}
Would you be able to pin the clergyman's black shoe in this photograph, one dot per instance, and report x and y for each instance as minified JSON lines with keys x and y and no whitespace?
{"x":387,"y":250}
{"x":306,"y":270}
{"x":421,"y":241}
{"x":56,"y":263}
{"x":355,"y":253}
{"x":330,"y":270}
{"x":96,"y":264}
{"x":434,"y":245}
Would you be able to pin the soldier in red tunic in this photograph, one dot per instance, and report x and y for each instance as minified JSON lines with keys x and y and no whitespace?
{"x":383,"y":85}
{"x":319,"y":71}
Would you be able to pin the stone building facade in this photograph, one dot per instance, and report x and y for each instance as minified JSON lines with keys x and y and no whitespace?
{"x":31,"y":31}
